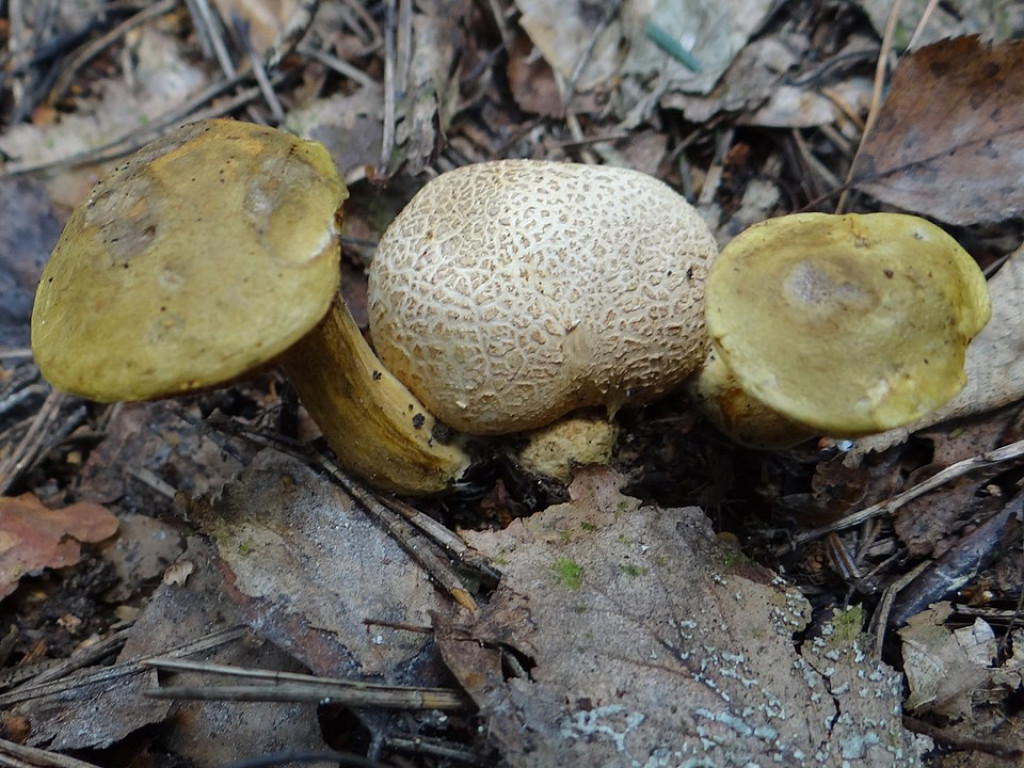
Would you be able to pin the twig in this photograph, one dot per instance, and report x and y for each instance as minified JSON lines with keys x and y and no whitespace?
{"x":120,"y":670}
{"x":27,"y":447}
{"x":953,"y":471}
{"x":291,"y":34}
{"x":96,"y":47}
{"x":241,"y":30}
{"x":403,"y":532}
{"x":876,"y":96}
{"x":387,"y":143}
{"x":211,"y":31}
{"x":925,"y":17}
{"x":31,"y":757}
{"x":54,"y":669}
{"x":880,"y":618}
{"x":16,"y":354}
{"x":340,"y":66}
{"x":293,"y":686}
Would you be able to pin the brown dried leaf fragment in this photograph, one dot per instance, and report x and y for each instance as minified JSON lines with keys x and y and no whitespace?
{"x":33,"y":536}
{"x":642,"y":638}
{"x":949,"y":141}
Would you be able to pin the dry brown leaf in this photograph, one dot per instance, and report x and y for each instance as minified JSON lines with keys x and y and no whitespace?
{"x":428,"y":89}
{"x":950,"y":671}
{"x":309,"y":569}
{"x":949,"y":140}
{"x":264,"y":18}
{"x":97,"y":712}
{"x":648,"y":641}
{"x":33,"y":536}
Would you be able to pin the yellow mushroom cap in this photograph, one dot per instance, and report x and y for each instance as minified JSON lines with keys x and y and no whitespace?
{"x":205,"y":254}
{"x":846,"y":324}
{"x":509,"y":293}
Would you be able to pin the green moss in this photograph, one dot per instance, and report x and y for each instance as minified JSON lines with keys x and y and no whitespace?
{"x":568,"y":572}
{"x":633,"y":570}
{"x":588,"y":527}
{"x":848,"y":626}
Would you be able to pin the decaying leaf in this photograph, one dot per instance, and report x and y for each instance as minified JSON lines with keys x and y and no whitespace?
{"x":33,"y":536}
{"x":94,"y":708}
{"x":992,"y":19}
{"x":162,"y":80}
{"x":949,"y":141}
{"x":645,"y":640}
{"x":427,"y":89}
{"x":950,"y":671}
{"x":310,"y":569}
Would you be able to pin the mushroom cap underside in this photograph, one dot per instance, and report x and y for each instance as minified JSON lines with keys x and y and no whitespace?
{"x":509,"y":293}
{"x":203,"y":255}
{"x":846,"y":324}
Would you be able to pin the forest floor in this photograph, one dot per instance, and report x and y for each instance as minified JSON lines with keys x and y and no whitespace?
{"x":192,"y":582}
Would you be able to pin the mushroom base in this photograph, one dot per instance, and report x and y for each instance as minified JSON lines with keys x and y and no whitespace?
{"x":375,"y":426}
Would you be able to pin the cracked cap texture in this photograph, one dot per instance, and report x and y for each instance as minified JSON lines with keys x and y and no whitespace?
{"x":509,"y":293}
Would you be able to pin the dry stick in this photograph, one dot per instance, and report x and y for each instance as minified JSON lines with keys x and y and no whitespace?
{"x":880,"y":618}
{"x":876,"y":96}
{"x":387,"y":143}
{"x":121,"y":669}
{"x":129,"y":141}
{"x":291,"y":34}
{"x":241,"y":30}
{"x":294,"y":686}
{"x":13,"y":755}
{"x":53,"y":669}
{"x":210,"y":29}
{"x":953,"y":471}
{"x":26,"y":447}
{"x":928,"y":11}
{"x":340,"y":66}
{"x":403,"y":532}
{"x":447,"y":538}
{"x":97,"y":46}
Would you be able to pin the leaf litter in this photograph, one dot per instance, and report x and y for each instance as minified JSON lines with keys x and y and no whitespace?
{"x":642,"y":636}
{"x":595,"y":637}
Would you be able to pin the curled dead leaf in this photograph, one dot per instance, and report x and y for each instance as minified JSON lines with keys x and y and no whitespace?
{"x":948,"y":140}
{"x":33,"y":536}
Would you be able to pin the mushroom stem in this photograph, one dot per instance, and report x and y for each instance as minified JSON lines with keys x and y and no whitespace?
{"x":374,"y":425}
{"x":738,"y":414}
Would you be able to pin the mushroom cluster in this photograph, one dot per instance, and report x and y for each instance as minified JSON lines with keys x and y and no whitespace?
{"x":214,"y":251}
{"x":503,"y":297}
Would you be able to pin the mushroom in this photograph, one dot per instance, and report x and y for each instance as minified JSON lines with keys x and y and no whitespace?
{"x":209,"y":253}
{"x":507,"y":294}
{"x":838,"y":325}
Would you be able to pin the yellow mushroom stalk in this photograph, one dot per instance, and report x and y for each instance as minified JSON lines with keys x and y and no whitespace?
{"x":212,"y":252}
{"x":838,"y":325}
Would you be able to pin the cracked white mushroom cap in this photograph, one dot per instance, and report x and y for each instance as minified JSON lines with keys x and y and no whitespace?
{"x":509,"y":293}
